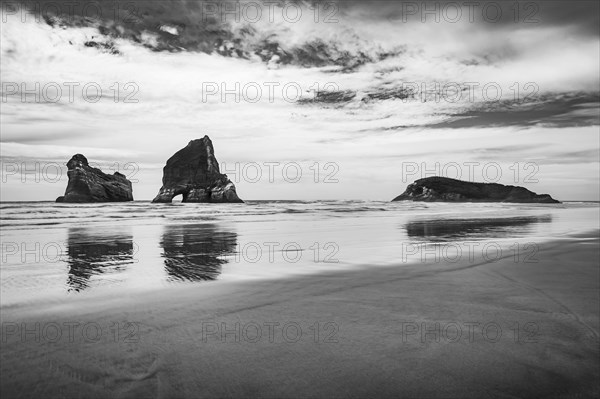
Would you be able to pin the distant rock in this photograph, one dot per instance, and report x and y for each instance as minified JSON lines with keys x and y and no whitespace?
{"x":443,"y":189}
{"x":88,"y":184}
{"x":194,"y":173}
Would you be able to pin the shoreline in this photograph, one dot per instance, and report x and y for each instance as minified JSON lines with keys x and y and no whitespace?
{"x":50,"y":201}
{"x":223,"y":287}
{"x":526,"y":329}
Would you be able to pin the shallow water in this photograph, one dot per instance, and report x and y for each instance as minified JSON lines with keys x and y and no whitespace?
{"x":61,"y":252}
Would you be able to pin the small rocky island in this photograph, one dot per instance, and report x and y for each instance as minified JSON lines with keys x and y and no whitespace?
{"x":443,"y":189}
{"x":88,"y":184}
{"x":194,"y":173}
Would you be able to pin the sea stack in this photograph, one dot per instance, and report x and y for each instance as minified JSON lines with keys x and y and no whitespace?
{"x":194,"y":173}
{"x":443,"y":189}
{"x":88,"y":184}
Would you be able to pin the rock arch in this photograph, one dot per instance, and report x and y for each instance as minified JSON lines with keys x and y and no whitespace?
{"x":194,"y":173}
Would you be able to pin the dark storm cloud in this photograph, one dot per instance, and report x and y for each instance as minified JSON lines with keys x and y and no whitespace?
{"x":211,"y":27}
{"x":562,"y":111}
{"x":582,"y":14}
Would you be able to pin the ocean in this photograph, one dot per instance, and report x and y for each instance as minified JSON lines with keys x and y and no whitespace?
{"x":59,"y":253}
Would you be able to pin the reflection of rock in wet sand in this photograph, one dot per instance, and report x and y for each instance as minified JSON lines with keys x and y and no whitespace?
{"x":474,"y":228}
{"x":92,"y":253}
{"x":195,"y":252}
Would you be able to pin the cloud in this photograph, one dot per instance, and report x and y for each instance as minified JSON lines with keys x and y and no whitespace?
{"x":558,"y":111}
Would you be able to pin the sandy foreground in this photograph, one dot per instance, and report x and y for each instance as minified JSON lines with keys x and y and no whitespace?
{"x":510,"y":328}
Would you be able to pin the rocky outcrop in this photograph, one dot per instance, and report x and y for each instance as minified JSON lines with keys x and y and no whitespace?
{"x":88,"y":184}
{"x":194,"y":173}
{"x":443,"y":189}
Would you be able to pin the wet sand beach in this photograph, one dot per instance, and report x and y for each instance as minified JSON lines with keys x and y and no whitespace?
{"x":475,"y":329}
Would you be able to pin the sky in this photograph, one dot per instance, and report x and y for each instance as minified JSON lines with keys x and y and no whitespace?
{"x":304,"y":100}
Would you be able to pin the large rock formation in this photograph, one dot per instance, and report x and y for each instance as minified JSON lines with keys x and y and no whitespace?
{"x":443,"y":189}
{"x":194,"y":173}
{"x":88,"y":184}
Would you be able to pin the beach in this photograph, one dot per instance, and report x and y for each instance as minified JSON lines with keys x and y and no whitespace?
{"x":468,"y":328}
